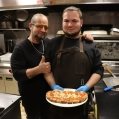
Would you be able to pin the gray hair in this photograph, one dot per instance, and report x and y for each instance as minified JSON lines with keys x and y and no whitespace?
{"x":73,"y":8}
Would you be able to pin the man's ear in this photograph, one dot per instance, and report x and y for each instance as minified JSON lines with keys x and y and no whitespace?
{"x":81,"y":22}
{"x":30,"y":24}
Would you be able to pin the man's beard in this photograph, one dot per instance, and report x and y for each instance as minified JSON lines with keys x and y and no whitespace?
{"x":40,"y":38}
{"x":72,"y":35}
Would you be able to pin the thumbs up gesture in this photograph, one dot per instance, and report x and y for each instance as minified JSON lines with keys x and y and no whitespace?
{"x":42,"y":59}
{"x":44,"y":66}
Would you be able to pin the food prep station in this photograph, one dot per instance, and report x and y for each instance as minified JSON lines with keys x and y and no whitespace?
{"x":9,"y":106}
{"x":107,"y":104}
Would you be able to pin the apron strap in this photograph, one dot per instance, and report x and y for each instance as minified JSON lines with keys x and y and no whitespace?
{"x":62,"y":44}
{"x":60,"y":48}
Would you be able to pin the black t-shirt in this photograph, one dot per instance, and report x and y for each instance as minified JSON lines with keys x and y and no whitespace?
{"x":23,"y":57}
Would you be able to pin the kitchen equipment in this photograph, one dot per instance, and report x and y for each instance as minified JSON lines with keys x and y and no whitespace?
{"x":3,"y":25}
{"x":22,"y":15}
{"x":5,"y":58}
{"x":95,"y":32}
{"x":6,"y":21}
{"x":115,"y":31}
{"x":111,"y":87}
{"x":111,"y":82}
{"x":7,"y":82}
{"x":21,"y":18}
{"x":10,"y":106}
{"x":2,"y":44}
{"x":10,"y":45}
{"x":108,"y":68}
{"x":99,"y":29}
{"x":108,"y":45}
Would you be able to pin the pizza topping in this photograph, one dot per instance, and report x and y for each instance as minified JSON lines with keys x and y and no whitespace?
{"x":66,"y":96}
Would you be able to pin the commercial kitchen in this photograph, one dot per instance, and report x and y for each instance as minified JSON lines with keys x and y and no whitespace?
{"x":100,"y":19}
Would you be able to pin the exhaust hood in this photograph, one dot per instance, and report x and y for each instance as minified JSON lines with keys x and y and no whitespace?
{"x":20,"y":4}
{"x":39,"y":4}
{"x":58,"y":2}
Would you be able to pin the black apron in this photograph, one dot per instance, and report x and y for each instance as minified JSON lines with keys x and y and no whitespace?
{"x":72,"y":70}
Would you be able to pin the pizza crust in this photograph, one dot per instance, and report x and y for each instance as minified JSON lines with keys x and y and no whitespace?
{"x":66,"y":96}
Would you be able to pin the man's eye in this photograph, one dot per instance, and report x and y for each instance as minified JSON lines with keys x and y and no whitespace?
{"x":66,"y":21}
{"x":41,"y":26}
{"x":74,"y":21}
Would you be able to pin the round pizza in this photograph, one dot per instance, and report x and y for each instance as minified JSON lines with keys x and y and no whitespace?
{"x":66,"y":96}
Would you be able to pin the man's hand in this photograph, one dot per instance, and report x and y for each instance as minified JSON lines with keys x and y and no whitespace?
{"x":44,"y":66}
{"x":55,"y":86}
{"x":84,"y":88}
{"x":88,"y":37}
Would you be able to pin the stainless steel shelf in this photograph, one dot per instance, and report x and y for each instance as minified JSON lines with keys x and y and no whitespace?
{"x":13,"y":29}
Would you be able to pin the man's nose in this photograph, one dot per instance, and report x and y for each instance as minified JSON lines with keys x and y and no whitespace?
{"x":43,"y":29}
{"x":69,"y":23}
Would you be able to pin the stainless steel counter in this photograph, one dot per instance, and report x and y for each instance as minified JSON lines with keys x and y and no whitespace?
{"x":107,"y":102}
{"x":7,"y":99}
{"x":11,"y":105}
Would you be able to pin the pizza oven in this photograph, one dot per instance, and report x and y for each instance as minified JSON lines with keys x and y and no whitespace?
{"x":107,"y":41}
{"x":108,"y":45}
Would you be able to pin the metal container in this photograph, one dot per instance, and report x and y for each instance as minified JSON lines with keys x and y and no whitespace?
{"x":22,"y":15}
{"x":10,"y":45}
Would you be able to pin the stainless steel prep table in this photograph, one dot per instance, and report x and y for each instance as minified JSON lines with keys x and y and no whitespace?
{"x":11,"y":105}
{"x":107,"y":102}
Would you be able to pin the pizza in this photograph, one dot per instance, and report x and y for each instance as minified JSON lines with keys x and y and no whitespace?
{"x":66,"y":96}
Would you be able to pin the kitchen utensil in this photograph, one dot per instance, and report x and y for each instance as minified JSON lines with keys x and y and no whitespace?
{"x":108,"y":68}
{"x":22,"y":15}
{"x":111,"y":87}
{"x":115,"y":30}
{"x":10,"y":45}
{"x":110,"y":82}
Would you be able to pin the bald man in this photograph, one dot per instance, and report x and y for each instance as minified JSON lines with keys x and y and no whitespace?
{"x":28,"y":66}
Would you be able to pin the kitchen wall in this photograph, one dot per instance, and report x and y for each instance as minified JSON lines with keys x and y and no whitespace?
{"x":89,"y":17}
{"x":92,"y":15}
